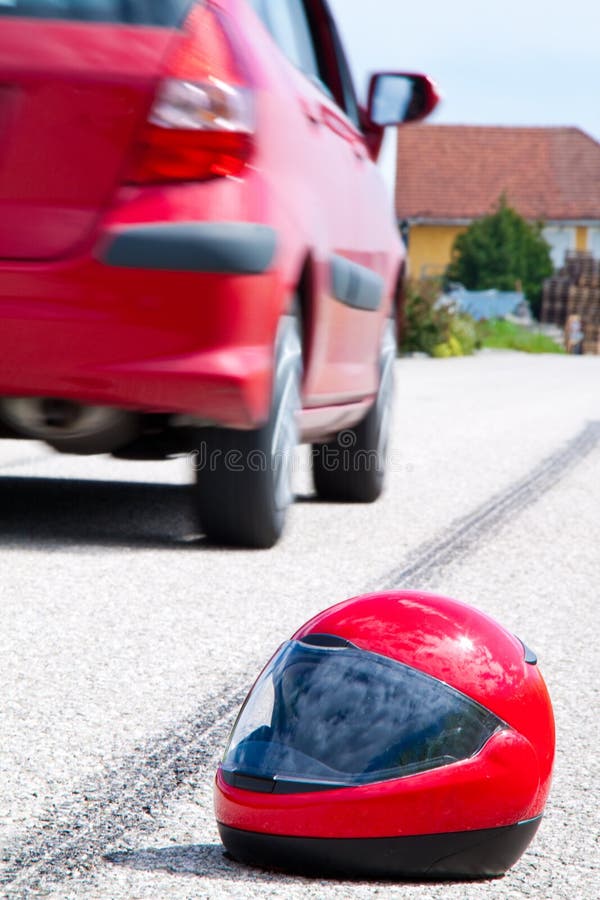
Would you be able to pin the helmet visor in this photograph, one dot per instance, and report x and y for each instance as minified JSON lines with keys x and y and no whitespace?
{"x":326,"y":715}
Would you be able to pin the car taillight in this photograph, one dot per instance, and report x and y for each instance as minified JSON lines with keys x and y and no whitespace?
{"x":202,"y":120}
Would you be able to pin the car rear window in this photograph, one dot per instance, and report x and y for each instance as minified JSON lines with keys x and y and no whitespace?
{"x":131,"y":12}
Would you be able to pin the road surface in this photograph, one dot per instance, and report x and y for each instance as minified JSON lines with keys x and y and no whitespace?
{"x":127,"y":643}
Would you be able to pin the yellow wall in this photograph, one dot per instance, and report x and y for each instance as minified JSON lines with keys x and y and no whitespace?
{"x":430,"y":248}
{"x":581,"y":238}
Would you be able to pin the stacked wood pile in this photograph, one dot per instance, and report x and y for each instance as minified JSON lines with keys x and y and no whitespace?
{"x":575,"y":291}
{"x":591,"y":339}
{"x":555,"y":298}
{"x":581,"y":266}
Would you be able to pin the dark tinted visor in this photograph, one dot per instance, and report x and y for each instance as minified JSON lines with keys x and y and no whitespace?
{"x":131,"y":12}
{"x":334,"y":716}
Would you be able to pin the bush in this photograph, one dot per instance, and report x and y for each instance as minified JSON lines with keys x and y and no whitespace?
{"x":426,"y":323}
{"x":437,"y":329}
{"x":434,"y":328}
{"x":464,"y":330}
{"x":442,"y":351}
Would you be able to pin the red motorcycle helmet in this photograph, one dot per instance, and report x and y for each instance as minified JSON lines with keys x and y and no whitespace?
{"x":397,"y":735}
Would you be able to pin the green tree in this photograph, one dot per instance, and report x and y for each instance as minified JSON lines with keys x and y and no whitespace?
{"x":503,"y":251}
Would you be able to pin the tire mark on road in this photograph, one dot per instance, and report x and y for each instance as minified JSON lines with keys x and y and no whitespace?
{"x":74,"y":835}
{"x":462,"y":537}
{"x":80,"y":832}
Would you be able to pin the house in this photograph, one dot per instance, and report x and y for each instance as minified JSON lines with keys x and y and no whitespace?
{"x":449,"y":175}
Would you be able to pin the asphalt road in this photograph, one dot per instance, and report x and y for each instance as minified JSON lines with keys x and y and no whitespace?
{"x":127,"y":643}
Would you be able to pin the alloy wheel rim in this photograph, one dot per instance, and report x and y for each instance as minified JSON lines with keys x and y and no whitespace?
{"x":385,"y":396}
{"x":285,"y":429}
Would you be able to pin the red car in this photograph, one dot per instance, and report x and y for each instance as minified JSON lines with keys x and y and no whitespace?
{"x":197,"y":251}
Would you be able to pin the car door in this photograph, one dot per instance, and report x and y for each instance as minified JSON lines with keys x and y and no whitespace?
{"x":344,"y":320}
{"x":360,"y":277}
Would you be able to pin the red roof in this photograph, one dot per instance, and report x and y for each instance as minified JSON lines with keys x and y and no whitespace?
{"x":457,"y":172}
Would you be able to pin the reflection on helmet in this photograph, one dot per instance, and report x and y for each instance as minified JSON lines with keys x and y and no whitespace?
{"x":335,"y":715}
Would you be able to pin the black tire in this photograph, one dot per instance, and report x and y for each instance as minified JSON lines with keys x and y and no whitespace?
{"x":244,"y":478}
{"x":350,"y":468}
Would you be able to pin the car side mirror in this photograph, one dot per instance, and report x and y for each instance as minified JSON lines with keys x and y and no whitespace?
{"x":399,"y":97}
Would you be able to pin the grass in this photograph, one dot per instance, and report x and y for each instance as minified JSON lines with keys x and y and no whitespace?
{"x":500,"y":335}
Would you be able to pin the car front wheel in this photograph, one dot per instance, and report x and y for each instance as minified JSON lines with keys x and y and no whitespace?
{"x":244,"y":478}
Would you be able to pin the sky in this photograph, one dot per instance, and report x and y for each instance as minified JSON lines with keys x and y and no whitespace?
{"x":515,"y":62}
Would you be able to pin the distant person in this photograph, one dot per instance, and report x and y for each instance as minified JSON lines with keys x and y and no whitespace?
{"x":574,"y":335}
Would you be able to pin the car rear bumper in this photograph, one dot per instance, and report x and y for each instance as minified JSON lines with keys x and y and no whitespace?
{"x":161,"y":318}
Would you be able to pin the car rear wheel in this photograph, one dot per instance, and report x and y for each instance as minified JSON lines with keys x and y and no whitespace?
{"x":244,"y":478}
{"x":351,"y":467}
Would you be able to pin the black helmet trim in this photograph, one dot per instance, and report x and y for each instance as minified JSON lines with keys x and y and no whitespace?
{"x":325,"y":714}
{"x":276,"y":785}
{"x":327,"y":640}
{"x":485,"y":853}
{"x":529,"y":655}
